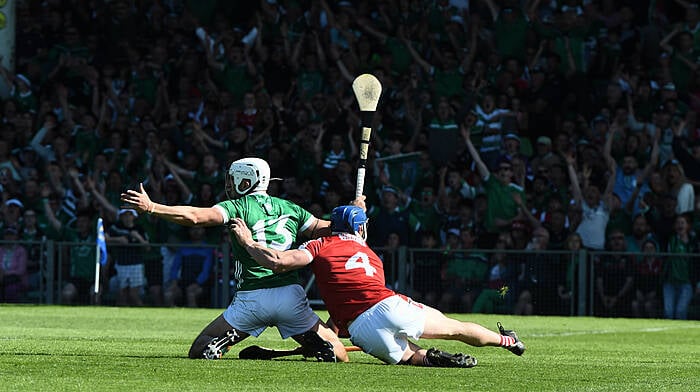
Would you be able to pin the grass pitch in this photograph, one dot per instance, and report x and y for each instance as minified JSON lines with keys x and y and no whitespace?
{"x":53,"y":348}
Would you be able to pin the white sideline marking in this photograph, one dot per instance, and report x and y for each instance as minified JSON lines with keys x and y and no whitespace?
{"x":606,"y":331}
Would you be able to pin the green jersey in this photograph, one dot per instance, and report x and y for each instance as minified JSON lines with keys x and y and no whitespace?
{"x":500,"y":202}
{"x":274,"y":223}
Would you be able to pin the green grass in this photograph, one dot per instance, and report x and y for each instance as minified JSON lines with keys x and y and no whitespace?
{"x":52,"y":348}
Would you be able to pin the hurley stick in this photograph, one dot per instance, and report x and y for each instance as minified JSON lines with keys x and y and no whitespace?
{"x":367,"y":89}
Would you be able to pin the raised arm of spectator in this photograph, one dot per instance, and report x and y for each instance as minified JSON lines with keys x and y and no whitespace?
{"x":427,"y":67}
{"x":493,"y":9}
{"x":101,"y":199}
{"x":690,"y":63}
{"x":468,"y":60}
{"x":644,"y":175}
{"x":112,"y":96}
{"x":573,"y":177}
{"x":532,"y":9}
{"x":296,"y":53}
{"x":330,"y":15}
{"x":53,"y":174}
{"x":480,"y":165}
{"x":207,"y":138}
{"x":184,"y":189}
{"x":381,"y":7}
{"x":684,"y":4}
{"x":525,"y":211}
{"x":83,"y":201}
{"x":45,"y":192}
{"x":610,"y":185}
{"x":365,"y":25}
{"x":258,"y":44}
{"x":320,"y":53}
{"x":569,"y":57}
{"x":335,"y":55}
{"x":538,"y":54}
{"x":6,"y":74}
{"x":679,"y":150}
{"x":607,"y":148}
{"x":211,"y":60}
{"x":174,"y":168}
{"x":413,"y":117}
{"x":666,"y":41}
{"x":318,"y":145}
{"x":250,"y":65}
{"x":160,"y":107}
{"x":62,"y":95}
{"x":41,"y":150}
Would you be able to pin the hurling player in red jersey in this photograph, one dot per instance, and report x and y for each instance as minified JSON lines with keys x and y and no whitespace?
{"x":350,"y":277}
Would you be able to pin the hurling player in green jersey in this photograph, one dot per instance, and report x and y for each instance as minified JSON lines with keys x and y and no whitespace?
{"x":263,"y":298}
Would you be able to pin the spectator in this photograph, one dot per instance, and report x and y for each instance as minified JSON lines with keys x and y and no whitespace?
{"x":680,"y":272}
{"x":128,"y":260}
{"x":426,"y":208}
{"x":641,"y":233}
{"x":542,"y":276}
{"x":596,"y":208}
{"x":427,"y":266}
{"x":679,"y":186}
{"x":12,"y":213}
{"x":614,"y":278}
{"x":392,"y":217}
{"x":647,"y":281}
{"x":495,"y":298}
{"x":689,"y":160}
{"x":567,"y":288}
{"x":36,"y":262}
{"x":13,"y":271}
{"x":502,"y":208}
{"x":191,"y":271}
{"x":465,"y":272}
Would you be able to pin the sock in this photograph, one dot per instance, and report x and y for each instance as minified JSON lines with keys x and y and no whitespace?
{"x":507,"y":341}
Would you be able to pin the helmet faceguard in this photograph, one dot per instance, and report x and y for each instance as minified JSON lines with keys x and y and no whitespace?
{"x":349,"y":219}
{"x":246,"y":176}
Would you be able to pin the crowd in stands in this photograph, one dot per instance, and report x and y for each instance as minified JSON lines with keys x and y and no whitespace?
{"x":514,"y":125}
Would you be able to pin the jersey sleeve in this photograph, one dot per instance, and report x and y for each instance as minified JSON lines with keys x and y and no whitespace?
{"x":227,"y":209}
{"x":312,"y":247}
{"x":223,"y":212}
{"x":306,"y":219}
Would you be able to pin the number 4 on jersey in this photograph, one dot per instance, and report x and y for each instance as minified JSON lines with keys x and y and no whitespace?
{"x":360,"y":260}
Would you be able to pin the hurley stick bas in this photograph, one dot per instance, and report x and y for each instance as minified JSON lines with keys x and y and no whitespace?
{"x":367,"y":89}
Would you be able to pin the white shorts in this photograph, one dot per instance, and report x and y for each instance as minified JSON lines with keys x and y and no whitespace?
{"x":286,"y":308}
{"x":130,"y":275}
{"x":383,"y":330}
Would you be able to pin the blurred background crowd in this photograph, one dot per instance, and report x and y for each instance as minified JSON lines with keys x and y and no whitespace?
{"x":584,"y":113}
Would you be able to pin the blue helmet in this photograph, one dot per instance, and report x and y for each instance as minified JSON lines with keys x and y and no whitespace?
{"x":348,"y":219}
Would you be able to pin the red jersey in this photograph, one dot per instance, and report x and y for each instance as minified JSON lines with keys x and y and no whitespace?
{"x":350,"y":276}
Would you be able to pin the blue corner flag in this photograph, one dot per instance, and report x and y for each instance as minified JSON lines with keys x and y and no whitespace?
{"x":101,"y":244}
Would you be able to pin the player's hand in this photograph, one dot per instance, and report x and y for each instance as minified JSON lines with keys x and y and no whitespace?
{"x":360,"y":202}
{"x":137,"y":200}
{"x":241,"y":232}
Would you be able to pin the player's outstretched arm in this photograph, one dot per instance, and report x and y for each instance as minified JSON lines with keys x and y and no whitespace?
{"x":277,"y":261}
{"x":182,"y":215}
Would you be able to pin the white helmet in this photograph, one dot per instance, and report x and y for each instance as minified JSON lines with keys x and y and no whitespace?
{"x":246,"y":176}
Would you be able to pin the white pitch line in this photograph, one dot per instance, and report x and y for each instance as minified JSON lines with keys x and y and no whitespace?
{"x":606,"y":331}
